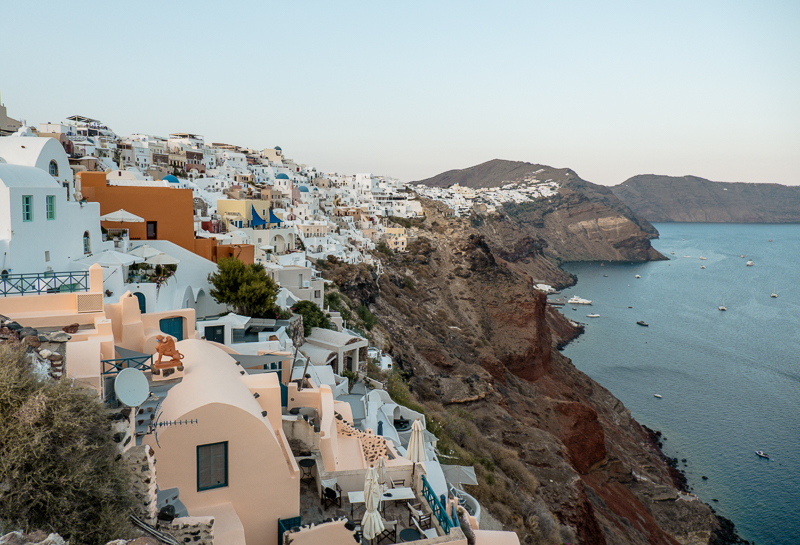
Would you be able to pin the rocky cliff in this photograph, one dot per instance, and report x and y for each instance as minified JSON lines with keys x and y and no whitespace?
{"x":692,"y":199}
{"x":559,"y":459}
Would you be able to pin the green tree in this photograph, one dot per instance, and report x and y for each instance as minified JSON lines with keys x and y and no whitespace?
{"x":313,"y":316}
{"x":58,"y":462}
{"x":247,"y":289}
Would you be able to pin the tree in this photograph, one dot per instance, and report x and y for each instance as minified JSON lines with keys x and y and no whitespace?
{"x":313,"y":316}
{"x":58,"y":462}
{"x":247,"y":289}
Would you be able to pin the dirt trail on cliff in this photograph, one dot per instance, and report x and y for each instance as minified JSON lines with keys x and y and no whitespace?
{"x":557,"y":456}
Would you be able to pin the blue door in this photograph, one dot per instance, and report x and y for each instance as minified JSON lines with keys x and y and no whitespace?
{"x":172,"y":326}
{"x":142,"y":302}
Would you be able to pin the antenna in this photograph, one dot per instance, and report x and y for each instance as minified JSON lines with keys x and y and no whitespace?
{"x":131,"y":387}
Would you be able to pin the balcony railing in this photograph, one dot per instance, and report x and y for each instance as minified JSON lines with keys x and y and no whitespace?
{"x":37,"y":284}
{"x":437,"y":508}
{"x":114,"y":366}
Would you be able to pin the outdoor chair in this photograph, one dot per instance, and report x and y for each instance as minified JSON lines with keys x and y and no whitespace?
{"x":429,"y":533}
{"x":389,"y":532}
{"x":417,"y":516}
{"x":398,"y":483}
{"x":332,"y":496}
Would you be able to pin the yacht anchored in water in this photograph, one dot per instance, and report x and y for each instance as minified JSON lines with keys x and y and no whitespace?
{"x":578,"y":301}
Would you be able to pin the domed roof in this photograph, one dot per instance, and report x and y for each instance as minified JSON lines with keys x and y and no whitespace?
{"x":278,"y":148}
{"x":281,"y":176}
{"x":171,"y":179}
{"x":304,"y":189}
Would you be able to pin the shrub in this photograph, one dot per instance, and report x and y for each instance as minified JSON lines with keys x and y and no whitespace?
{"x":58,"y":459}
{"x":369,"y":319}
{"x":313,"y":316}
{"x":408,"y":283}
{"x":383,"y":248}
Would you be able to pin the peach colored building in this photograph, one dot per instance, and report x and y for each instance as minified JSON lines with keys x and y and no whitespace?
{"x":168,"y":212}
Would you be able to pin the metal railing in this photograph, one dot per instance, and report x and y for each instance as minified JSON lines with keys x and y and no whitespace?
{"x":437,"y":508}
{"x":284,"y":525}
{"x":39,"y":283}
{"x":114,"y":366}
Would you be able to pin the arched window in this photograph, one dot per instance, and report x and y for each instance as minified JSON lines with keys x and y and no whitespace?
{"x":53,"y":168}
{"x":87,"y":246}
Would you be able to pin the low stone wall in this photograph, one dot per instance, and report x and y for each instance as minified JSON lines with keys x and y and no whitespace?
{"x":142,"y":465}
{"x":193,"y":530}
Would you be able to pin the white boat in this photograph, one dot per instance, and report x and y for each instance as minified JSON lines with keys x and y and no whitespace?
{"x":774,"y":293}
{"x":742,"y":256}
{"x":687,"y":256}
{"x":672,"y":253}
{"x":702,"y":266}
{"x":578,"y":301}
{"x":637,"y":276}
{"x":722,"y":306}
{"x":749,"y":263}
{"x":657,"y":395}
{"x":592,"y":315}
{"x":762,"y":454}
{"x":703,"y":258}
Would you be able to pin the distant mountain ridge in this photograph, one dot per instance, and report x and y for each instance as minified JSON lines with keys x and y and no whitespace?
{"x":657,"y":198}
{"x":492,"y":173}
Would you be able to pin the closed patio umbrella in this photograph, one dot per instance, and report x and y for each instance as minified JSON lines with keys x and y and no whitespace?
{"x":122,"y":216}
{"x":372,"y":523}
{"x":416,"y":446}
{"x":382,"y":471}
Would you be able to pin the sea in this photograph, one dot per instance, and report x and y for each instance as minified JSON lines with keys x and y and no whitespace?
{"x":729,"y":381}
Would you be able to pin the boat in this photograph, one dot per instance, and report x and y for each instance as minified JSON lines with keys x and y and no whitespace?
{"x":573,"y":308}
{"x":749,"y":263}
{"x":742,"y":256}
{"x":672,"y":253}
{"x":605,"y":276}
{"x":642,"y":322}
{"x":774,"y":293}
{"x":657,"y":395}
{"x":703,"y":258}
{"x":592,"y":315}
{"x":637,"y":276}
{"x":578,"y":301}
{"x":762,"y":454}
{"x":722,"y":306}
{"x":702,"y":266}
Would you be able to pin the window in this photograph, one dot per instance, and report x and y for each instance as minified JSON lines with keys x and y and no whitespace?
{"x":87,"y":245}
{"x":27,"y":208}
{"x":53,"y":168}
{"x":212,"y":466}
{"x":51,"y":207}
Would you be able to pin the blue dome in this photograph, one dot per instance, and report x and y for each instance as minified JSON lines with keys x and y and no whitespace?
{"x":171,"y":179}
{"x":281,"y":176}
{"x":278,"y":148}
{"x":304,"y":189}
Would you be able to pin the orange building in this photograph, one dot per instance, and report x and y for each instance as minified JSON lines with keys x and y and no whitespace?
{"x":168,"y":213}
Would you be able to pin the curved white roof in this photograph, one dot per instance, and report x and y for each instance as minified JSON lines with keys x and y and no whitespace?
{"x":36,"y":152}
{"x":25,"y":176}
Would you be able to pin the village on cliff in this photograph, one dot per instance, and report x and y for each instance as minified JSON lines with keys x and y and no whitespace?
{"x":262,"y":432}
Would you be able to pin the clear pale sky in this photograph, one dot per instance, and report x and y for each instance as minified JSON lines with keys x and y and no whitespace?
{"x":411,"y":89}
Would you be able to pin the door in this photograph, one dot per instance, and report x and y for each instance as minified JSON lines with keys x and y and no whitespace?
{"x":215,"y":333}
{"x":173,"y":327}
{"x":152,"y":231}
{"x":142,"y":302}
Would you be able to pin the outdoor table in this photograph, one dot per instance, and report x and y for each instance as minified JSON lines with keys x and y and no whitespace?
{"x":395,"y":494}
{"x":409,"y":534}
{"x":307,"y":464}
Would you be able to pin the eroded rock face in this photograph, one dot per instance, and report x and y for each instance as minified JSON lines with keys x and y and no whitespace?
{"x":474,"y":336}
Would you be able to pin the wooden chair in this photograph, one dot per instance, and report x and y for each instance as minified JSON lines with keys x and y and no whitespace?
{"x":398,"y":483}
{"x":418,"y":517}
{"x":389,"y":531}
{"x":331,"y":496}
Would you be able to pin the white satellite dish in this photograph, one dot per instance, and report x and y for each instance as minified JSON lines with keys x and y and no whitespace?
{"x":131,"y":387}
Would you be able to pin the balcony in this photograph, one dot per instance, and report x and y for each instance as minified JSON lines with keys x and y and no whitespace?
{"x":38,"y":284}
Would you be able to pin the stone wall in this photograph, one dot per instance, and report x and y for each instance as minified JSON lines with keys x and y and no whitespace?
{"x":142,"y":465}
{"x":192,"y":530}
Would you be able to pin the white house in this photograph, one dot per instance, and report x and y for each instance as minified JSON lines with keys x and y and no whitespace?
{"x":40,"y":230}
{"x":46,"y":154}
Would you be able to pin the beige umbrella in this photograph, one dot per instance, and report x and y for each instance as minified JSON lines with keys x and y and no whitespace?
{"x":145,"y":251}
{"x":372,"y":523}
{"x":122,"y":216}
{"x":162,"y":259}
{"x":382,"y":471}
{"x":416,"y":446}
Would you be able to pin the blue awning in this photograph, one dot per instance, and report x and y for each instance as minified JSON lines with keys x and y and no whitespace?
{"x":273,"y":218}
{"x":258,"y":220}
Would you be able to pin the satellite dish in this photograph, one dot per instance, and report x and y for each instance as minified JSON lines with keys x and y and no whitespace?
{"x":131,"y":387}
{"x":108,"y":171}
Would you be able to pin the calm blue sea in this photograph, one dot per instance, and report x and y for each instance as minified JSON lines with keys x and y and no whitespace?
{"x":730,"y":381}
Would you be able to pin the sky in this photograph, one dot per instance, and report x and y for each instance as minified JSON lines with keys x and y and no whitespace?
{"x":411,"y":89}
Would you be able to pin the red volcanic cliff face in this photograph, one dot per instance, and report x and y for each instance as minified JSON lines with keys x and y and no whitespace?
{"x":559,"y":459}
